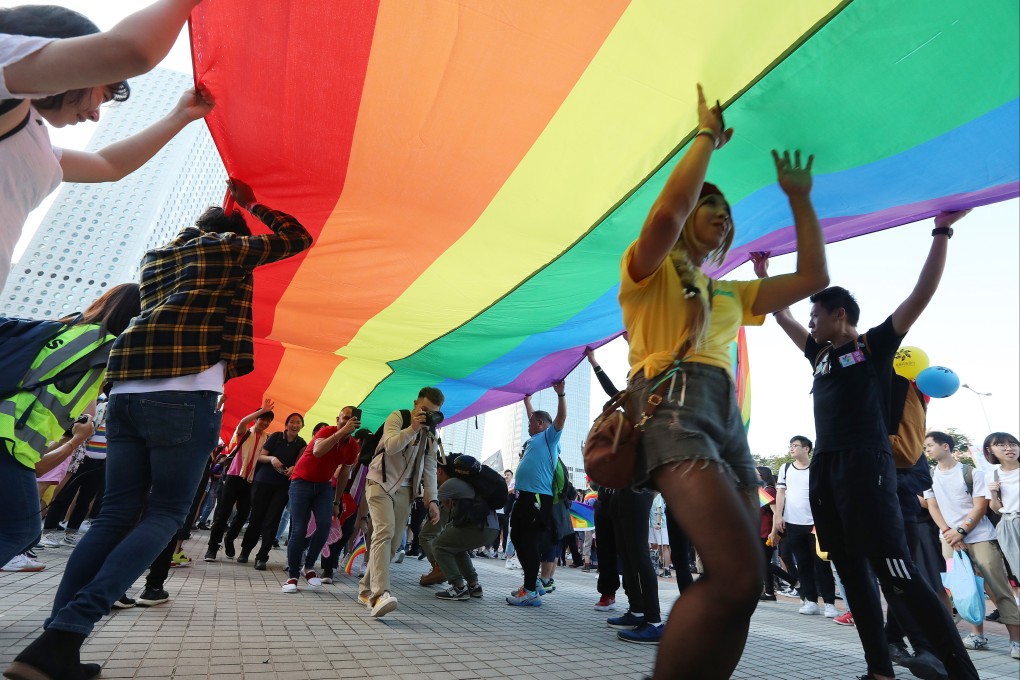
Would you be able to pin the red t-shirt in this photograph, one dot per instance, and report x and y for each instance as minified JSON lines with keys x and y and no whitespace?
{"x":321,"y":469}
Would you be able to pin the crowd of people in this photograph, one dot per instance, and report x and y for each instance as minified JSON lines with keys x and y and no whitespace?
{"x":142,"y":465}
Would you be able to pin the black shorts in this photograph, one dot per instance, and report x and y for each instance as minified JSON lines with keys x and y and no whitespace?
{"x":854,"y":504}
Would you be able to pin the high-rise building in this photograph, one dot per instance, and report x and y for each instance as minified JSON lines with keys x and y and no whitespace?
{"x":94,"y":235}
{"x":465,"y":436}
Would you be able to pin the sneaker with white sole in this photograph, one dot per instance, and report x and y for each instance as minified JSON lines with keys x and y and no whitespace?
{"x":809,"y":609}
{"x":52,"y":539}
{"x":313,"y":579}
{"x":71,"y":538}
{"x":522,"y":597}
{"x":974,"y":641}
{"x":1014,"y":650}
{"x":23,"y":563}
{"x":289,"y":586}
{"x":124,"y":602}
{"x":845,"y":619}
{"x":398,"y":557}
{"x":606,"y":603}
{"x":151,"y":597}
{"x":830,"y":611}
{"x":384,"y":604}
{"x":455,"y":593}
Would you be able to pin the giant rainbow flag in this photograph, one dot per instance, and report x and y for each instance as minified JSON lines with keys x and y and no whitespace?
{"x":473,"y":170}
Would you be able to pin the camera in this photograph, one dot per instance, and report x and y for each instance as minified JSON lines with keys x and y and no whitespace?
{"x":432,"y":419}
{"x":83,"y":418}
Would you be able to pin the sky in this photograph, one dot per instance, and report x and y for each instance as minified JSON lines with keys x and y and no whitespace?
{"x":972,"y":325}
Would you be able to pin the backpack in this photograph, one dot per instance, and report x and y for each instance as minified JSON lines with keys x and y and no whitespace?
{"x":490,"y":487}
{"x":907,"y":417}
{"x":370,"y":446}
{"x":21,"y":340}
{"x":968,"y":482}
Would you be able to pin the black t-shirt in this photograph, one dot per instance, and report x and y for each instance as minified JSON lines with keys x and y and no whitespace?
{"x":288,"y":453}
{"x":851,"y":390}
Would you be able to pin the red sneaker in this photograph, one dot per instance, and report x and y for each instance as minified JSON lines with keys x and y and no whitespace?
{"x":845,"y":619}
{"x":606,"y":603}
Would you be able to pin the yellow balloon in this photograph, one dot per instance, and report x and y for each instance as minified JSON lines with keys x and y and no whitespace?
{"x":910,"y":361}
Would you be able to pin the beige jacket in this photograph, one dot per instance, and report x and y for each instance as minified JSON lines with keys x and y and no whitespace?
{"x":408,"y":455}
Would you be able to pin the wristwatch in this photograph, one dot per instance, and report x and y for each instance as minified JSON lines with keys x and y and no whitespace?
{"x":961,"y":531}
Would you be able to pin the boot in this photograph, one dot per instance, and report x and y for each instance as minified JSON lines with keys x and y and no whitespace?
{"x":434,"y":577}
{"x":55,"y":654}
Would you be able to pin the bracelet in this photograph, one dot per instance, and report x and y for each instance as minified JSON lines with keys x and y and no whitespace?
{"x":942,"y":231}
{"x":710,"y":133}
{"x":561,"y":396}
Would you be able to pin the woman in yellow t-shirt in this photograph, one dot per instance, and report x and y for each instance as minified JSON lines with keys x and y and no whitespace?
{"x":694,"y":450}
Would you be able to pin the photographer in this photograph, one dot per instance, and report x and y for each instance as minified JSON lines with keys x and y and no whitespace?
{"x":405,"y":458}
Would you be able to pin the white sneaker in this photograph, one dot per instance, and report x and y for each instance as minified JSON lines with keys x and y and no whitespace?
{"x":399,"y":557}
{"x":23,"y":563}
{"x":809,"y":609}
{"x":512,"y":562}
{"x":52,"y":539}
{"x":313,"y":579}
{"x":71,"y":539}
{"x":830,"y":611}
{"x":85,"y":525}
{"x":290,"y":586}
{"x":973,"y":641}
{"x":1014,"y":650}
{"x":384,"y":604}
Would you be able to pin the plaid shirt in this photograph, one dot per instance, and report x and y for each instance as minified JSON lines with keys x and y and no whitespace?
{"x":197,"y":301}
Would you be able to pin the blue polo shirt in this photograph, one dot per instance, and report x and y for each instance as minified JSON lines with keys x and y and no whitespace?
{"x":538,"y":463}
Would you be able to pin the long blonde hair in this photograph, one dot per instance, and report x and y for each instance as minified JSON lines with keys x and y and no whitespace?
{"x":699,"y":304}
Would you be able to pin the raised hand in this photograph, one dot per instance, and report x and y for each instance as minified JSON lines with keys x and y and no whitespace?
{"x":794,"y":179}
{"x":268,"y":404}
{"x":712,"y":118}
{"x":948,"y":219}
{"x":195,"y":103}
{"x":761,"y":264}
{"x":242,"y":193}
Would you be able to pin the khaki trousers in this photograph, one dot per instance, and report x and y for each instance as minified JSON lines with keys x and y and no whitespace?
{"x":389,"y":520}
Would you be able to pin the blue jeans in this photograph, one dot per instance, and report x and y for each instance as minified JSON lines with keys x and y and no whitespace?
{"x":210,"y":500}
{"x":157,"y":446}
{"x":306,"y":499}
{"x":20,"y":521}
{"x":284,"y":525}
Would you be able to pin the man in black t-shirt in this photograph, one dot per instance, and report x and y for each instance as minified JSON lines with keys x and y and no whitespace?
{"x":853,"y":477}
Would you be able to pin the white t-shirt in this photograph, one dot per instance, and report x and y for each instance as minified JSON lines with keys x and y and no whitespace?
{"x":1009,"y":489}
{"x":29,"y":164}
{"x":949,"y":488}
{"x":797,"y":509}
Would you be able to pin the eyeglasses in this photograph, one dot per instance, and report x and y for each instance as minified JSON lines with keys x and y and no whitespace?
{"x":1006,"y":445}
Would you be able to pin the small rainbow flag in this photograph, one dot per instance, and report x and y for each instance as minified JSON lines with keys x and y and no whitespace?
{"x":590,"y":497}
{"x":764,"y":497}
{"x":359,"y":549}
{"x":582,"y":516}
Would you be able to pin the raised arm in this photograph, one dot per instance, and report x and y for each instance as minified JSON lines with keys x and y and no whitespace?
{"x":120,"y":159}
{"x":811,"y":275}
{"x":561,"y":406}
{"x":324,"y":445}
{"x":528,"y":408}
{"x":267,"y":405}
{"x":607,"y":385}
{"x":288,"y":237}
{"x":931,"y":273}
{"x":679,"y":195}
{"x":797,"y":333}
{"x":132,"y":47}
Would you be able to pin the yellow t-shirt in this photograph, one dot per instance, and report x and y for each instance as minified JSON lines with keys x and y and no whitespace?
{"x":654,"y":314}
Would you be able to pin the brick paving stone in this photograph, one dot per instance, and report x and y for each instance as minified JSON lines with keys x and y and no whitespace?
{"x":226,"y":621}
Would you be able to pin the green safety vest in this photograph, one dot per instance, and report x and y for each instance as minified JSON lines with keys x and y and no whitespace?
{"x":30,"y":420}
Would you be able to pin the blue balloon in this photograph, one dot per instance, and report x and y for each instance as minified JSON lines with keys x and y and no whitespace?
{"x":938,"y":382}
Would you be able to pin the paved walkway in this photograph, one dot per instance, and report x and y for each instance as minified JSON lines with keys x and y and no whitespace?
{"x":228,"y":621}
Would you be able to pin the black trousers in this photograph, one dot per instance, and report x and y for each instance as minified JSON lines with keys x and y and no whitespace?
{"x":531,"y":530}
{"x":418,"y":514}
{"x":570,"y":544}
{"x":235,"y":491}
{"x":857,"y":514}
{"x":160,"y":567}
{"x":605,"y":533}
{"x":773,"y":570}
{"x":89,"y":483}
{"x":679,"y":547}
{"x":814,"y":574}
{"x":347,"y":530}
{"x":639,"y":579}
{"x":267,"y":504}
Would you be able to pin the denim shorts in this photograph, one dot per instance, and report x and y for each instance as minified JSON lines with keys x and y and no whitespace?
{"x":698,"y":420}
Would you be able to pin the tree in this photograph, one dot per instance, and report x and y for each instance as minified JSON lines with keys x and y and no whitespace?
{"x":773,"y":462}
{"x":961,"y":446}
